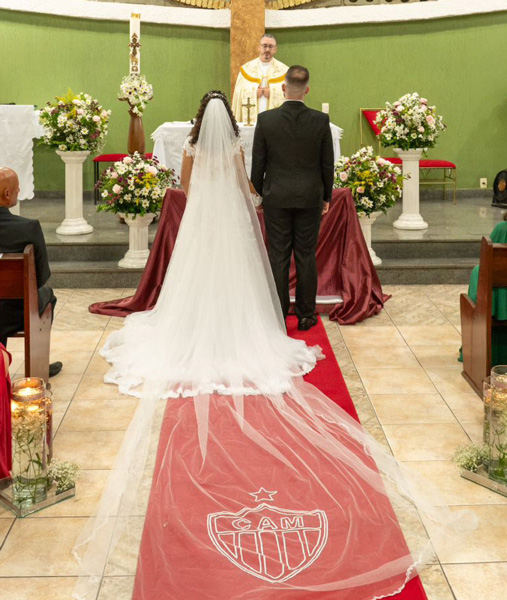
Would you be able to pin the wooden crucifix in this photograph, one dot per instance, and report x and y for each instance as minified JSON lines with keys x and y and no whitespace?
{"x":247,"y":28}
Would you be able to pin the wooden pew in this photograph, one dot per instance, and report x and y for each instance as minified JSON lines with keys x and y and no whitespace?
{"x":18,"y":281}
{"x":476,"y":319}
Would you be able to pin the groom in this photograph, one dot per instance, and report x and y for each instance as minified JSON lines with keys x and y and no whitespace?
{"x":293,"y":170}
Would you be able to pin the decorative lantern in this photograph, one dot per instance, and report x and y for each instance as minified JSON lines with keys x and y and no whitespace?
{"x":29,"y":405}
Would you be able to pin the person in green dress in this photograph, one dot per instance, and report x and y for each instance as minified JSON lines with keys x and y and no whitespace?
{"x":499,"y":302}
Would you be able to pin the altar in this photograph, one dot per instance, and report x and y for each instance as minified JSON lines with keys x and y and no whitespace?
{"x":19,"y":125}
{"x":170,"y":137}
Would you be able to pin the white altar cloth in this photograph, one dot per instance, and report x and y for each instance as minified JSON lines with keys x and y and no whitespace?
{"x":19,"y":125}
{"x":169,"y":139}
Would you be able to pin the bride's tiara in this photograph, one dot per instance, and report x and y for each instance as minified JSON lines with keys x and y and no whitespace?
{"x":215,"y":95}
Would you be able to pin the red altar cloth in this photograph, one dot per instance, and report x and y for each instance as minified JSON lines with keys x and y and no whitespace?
{"x":5,"y":419}
{"x":343,"y":262}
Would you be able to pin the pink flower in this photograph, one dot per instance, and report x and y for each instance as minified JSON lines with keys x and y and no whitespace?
{"x":114,"y":175}
{"x":117,"y":188}
{"x":80,"y":111}
{"x":127,"y":160}
{"x":151,"y":169}
{"x":96,"y":118}
{"x":423,"y":101}
{"x":420,"y":129}
{"x":343,"y":176}
{"x":360,"y":189}
{"x":430,"y":120}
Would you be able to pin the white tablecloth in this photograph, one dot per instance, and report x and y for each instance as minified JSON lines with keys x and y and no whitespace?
{"x":169,"y":139}
{"x":19,"y":125}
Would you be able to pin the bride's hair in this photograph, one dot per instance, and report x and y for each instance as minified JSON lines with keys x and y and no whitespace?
{"x":194,"y":134}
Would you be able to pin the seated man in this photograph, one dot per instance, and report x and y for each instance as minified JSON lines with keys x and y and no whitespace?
{"x":16,"y":233}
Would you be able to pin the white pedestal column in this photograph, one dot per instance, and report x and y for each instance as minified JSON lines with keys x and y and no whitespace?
{"x":138,"y":252}
{"x":410,"y":217}
{"x":74,"y":222}
{"x":366,"y":221}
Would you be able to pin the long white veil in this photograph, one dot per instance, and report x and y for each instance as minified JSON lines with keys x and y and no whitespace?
{"x":240,"y":418}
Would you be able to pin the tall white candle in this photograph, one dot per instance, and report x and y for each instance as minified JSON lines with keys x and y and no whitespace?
{"x":135,"y":43}
{"x":325,"y":108}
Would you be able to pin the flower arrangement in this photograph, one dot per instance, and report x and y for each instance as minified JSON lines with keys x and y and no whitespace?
{"x":135,"y":90}
{"x":409,"y":123}
{"x":74,"y":123}
{"x":64,"y":474}
{"x":375,"y":183}
{"x":135,"y":185}
{"x":471,"y":456}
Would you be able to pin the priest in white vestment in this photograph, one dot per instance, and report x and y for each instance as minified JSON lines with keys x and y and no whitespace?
{"x":260,"y":82}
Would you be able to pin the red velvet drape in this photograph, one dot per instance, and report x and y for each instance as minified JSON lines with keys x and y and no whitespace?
{"x":343,"y":262}
{"x":5,"y":419}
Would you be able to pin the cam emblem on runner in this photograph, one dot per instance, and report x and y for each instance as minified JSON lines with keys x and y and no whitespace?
{"x":268,"y":542}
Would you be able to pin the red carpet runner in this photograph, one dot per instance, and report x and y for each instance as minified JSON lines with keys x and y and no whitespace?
{"x":166,"y":571}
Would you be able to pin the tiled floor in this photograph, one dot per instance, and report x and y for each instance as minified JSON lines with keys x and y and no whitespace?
{"x":401,"y":369}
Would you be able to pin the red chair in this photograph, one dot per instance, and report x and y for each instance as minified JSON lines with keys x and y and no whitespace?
{"x":448,"y":169}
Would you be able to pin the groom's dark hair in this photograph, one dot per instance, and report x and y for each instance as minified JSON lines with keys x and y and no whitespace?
{"x":297,"y":77}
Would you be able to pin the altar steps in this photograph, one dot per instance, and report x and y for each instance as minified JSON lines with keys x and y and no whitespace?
{"x":79,"y":265}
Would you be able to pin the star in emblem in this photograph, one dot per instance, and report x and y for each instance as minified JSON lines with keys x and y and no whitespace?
{"x":263,"y":494}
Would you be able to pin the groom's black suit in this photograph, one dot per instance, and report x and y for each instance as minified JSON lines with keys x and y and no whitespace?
{"x":293,"y":170}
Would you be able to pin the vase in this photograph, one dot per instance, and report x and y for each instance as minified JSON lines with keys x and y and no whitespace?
{"x":74,"y":222}
{"x":410,"y":217}
{"x":136,"y":139}
{"x":137,"y":254}
{"x":497,"y":417}
{"x":366,"y":221}
{"x":29,"y":441}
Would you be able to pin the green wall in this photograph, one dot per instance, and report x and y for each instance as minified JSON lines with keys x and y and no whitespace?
{"x":458,"y":64}
{"x":43,"y":55}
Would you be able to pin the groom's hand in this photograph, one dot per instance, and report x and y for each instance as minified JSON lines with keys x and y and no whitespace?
{"x":325,"y":208}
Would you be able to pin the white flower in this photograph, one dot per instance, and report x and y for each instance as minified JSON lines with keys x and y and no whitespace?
{"x":104,"y":194}
{"x":77,"y":102}
{"x":145,"y":203}
{"x":96,"y":118}
{"x":117,"y":188}
{"x":127,"y":160}
{"x":80,"y":111}
{"x":343,"y":176}
{"x":152,"y":169}
{"x":62,"y":147}
{"x":84,"y":131}
{"x":113,"y":175}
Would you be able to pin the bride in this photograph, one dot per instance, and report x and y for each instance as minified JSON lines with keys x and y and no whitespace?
{"x":217,"y":325}
{"x":263,"y":487}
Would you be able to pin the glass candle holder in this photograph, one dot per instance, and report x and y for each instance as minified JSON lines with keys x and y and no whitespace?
{"x":497,"y":469}
{"x":29,"y":402}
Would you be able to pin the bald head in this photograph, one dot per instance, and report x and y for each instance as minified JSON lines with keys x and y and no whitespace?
{"x":9,"y":187}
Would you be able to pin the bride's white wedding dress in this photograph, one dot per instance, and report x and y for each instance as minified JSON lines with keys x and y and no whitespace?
{"x":217,"y":325}
{"x":264,"y":488}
